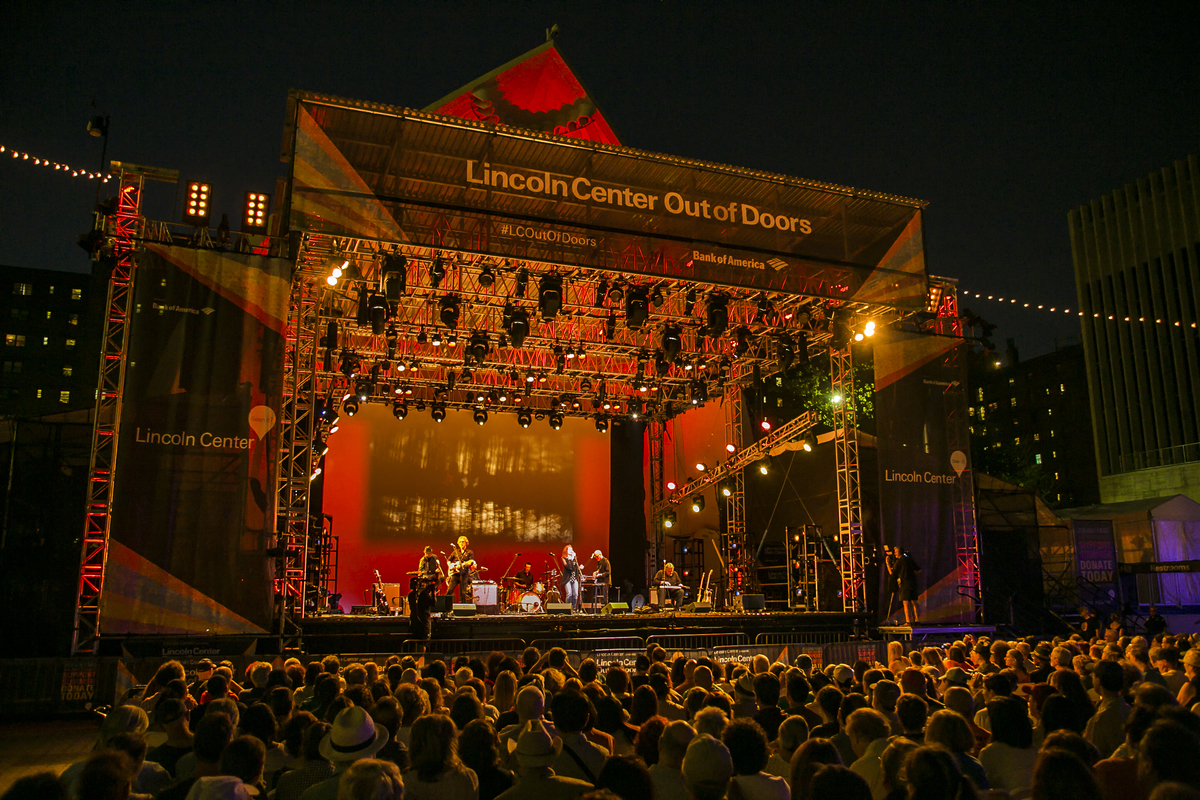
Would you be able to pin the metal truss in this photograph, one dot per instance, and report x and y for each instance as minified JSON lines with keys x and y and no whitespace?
{"x":850,"y":529}
{"x":656,"y":431}
{"x":738,"y":564}
{"x":125,"y":229}
{"x":298,"y":459}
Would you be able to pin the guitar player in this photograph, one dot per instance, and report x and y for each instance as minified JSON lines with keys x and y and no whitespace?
{"x":462,"y":570}
{"x":669,"y":585}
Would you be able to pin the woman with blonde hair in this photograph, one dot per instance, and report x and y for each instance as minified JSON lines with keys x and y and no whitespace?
{"x":436,"y":772}
{"x":371,"y":779}
{"x":504,"y":692}
{"x":932,"y":658}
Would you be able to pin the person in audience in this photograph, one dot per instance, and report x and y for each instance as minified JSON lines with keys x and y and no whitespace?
{"x":868,"y":731}
{"x":310,"y":769}
{"x":707,"y":768}
{"x":1189,"y":693}
{"x":241,"y":763}
{"x":627,"y":778}
{"x":747,"y":745}
{"x":834,"y":782}
{"x":1009,"y":760}
{"x":766,"y":698}
{"x":809,"y":758}
{"x":1170,"y":669}
{"x":479,"y":749}
{"x":645,"y":744}
{"x":371,"y":779}
{"x":932,"y":772}
{"x":828,"y":703}
{"x":1169,"y":752}
{"x":435,"y":770}
{"x":643,"y":706}
{"x":171,"y":715}
{"x":579,"y":758}
{"x":883,"y":696}
{"x":841,"y":739}
{"x":912,"y":712}
{"x":667,"y":771}
{"x":610,"y":718}
{"x":1106,"y":728}
{"x":352,"y":735}
{"x":950,"y":730}
{"x":105,"y":775}
{"x":535,"y":751}
{"x":1060,"y":774}
{"x":893,"y":780}
{"x":792,"y":732}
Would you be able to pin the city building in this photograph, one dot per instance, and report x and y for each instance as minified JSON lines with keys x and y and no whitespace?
{"x":1030,"y":422}
{"x":1137,"y":274}
{"x":51,"y":324}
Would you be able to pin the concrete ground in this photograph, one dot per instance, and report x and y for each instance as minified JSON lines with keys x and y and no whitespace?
{"x":27,"y":748}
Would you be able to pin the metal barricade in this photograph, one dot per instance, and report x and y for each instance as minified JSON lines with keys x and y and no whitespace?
{"x":461,"y":646}
{"x":801,"y":637}
{"x":588,"y":644}
{"x":697,"y":641}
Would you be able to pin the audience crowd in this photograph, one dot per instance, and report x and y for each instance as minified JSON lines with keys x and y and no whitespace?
{"x":1111,"y":719}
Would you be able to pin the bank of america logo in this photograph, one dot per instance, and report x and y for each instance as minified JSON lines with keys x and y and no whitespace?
{"x":777,"y":264}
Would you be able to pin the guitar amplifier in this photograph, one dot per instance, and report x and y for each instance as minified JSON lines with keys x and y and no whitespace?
{"x":362,"y":609}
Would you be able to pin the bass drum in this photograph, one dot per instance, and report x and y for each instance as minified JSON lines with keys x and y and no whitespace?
{"x":531,"y":603}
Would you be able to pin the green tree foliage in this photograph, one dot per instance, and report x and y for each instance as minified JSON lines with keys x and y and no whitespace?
{"x":809,"y":387}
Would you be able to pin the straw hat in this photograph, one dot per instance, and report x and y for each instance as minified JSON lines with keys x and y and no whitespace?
{"x":535,"y":747}
{"x":354,"y":735}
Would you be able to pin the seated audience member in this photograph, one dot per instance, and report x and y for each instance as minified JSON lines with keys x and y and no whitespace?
{"x":610,"y":718}
{"x":1009,"y":760}
{"x":1106,"y":728}
{"x":1169,"y":752}
{"x":1060,"y":774}
{"x":868,"y":731}
{"x":932,"y":772}
{"x":308,"y":770}
{"x":809,"y":758}
{"x":479,"y":749}
{"x":241,"y":772}
{"x":912,"y":712}
{"x":949,"y":730}
{"x":171,"y":715}
{"x":105,"y":775}
{"x":436,"y":772}
{"x":893,"y":780}
{"x":841,"y":739}
{"x":371,"y":779}
{"x":834,"y":782}
{"x":747,"y":746}
{"x":766,"y":697}
{"x":213,"y":735}
{"x":792,"y":732}
{"x":536,"y":751}
{"x":884,"y":695}
{"x":627,"y":778}
{"x":828,"y":703}
{"x":386,"y":712}
{"x":580,"y":758}
{"x":707,"y":768}
{"x":414,"y":704}
{"x":667,"y":771}
{"x":960,"y":701}
{"x":645,"y":744}
{"x":1117,"y":774}
{"x":352,"y":735}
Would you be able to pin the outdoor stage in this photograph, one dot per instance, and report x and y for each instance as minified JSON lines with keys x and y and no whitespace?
{"x":349,"y":633}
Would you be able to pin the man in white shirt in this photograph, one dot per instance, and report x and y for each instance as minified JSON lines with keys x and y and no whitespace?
{"x":667,"y":774}
{"x":868,"y":731}
{"x":580,"y":758}
{"x":1106,"y":728}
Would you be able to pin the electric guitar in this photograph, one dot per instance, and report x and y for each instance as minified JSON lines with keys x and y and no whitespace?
{"x":377,"y":590}
{"x":706,"y":588}
{"x":457,"y":566}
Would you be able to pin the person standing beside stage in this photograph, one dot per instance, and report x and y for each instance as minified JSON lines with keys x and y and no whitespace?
{"x":603,"y":576}
{"x":668,"y":577}
{"x":904,"y":569}
{"x":462,"y":559}
{"x":572,"y":577}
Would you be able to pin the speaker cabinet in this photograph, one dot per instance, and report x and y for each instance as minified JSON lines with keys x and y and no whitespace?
{"x":754,"y":602}
{"x":464,"y":609}
{"x":615,"y":608}
{"x":558,"y":608}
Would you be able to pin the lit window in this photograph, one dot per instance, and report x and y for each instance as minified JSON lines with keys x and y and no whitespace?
{"x":64,"y":396}
{"x":14,"y":340}
{"x":1062,"y":387}
{"x":70,"y":342}
{"x":1056,"y":476}
{"x":51,"y":290}
{"x":1037,"y":437}
{"x":73,"y":320}
{"x":1059,"y":496}
{"x":1037,"y":458}
{"x":1016,"y":440}
{"x":1047,"y":391}
{"x":1052,"y":433}
{"x":1049,"y":412}
{"x":1054,"y":454}
{"x":39,"y":394}
{"x":778,"y":381}
{"x":981,"y":413}
{"x":1013,"y":402}
{"x":45,"y":340}
{"x":23,"y":289}
{"x":779,"y":402}
{"x":1012,"y":381}
{"x":980,"y":394}
{"x":77,"y":294}
{"x":48,"y":314}
{"x":67,"y":371}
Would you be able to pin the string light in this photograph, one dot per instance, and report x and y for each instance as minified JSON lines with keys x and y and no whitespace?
{"x":45,"y":162}
{"x":1077,"y":313}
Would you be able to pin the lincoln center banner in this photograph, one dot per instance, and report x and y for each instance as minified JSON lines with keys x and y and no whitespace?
{"x":396,"y":175}
{"x":192,"y":512}
{"x":924,"y":463}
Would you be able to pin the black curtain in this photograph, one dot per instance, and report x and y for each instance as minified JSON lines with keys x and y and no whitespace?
{"x":627,"y":542}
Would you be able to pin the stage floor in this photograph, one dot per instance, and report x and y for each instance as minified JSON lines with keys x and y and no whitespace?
{"x":348,"y":633}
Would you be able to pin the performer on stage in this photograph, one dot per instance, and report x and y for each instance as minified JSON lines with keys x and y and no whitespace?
{"x":903,"y":570}
{"x":429,"y":570}
{"x":602,"y":575}
{"x":462,"y":570}
{"x":667,"y":576}
{"x":525,"y":579}
{"x":572,"y":577}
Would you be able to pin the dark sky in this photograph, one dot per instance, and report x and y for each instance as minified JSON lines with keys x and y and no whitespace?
{"x":1002,"y":119}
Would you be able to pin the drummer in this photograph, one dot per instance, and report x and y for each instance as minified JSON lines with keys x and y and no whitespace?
{"x":525,"y":579}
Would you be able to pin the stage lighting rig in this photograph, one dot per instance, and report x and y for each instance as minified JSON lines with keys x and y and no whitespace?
{"x":399,"y":409}
{"x":865,"y":332}
{"x":556,"y":419}
{"x":697,"y":503}
{"x":435,"y":338}
{"x":522,"y":281}
{"x":255,"y":207}
{"x":362,"y":389}
{"x":669,"y":519}
{"x":725,"y":489}
{"x":487,"y":278}
{"x":196,"y":204}
{"x":550,"y":296}
{"x":377,"y":310}
{"x":395,"y":277}
{"x":437,"y":272}
{"x":449,"y":310}
{"x":637,"y":308}
{"x":518,"y":329}
{"x":525,"y":418}
{"x":616,"y":293}
{"x":480,"y":416}
{"x":610,"y":327}
{"x":743,"y":341}
{"x":438,"y":412}
{"x":478,"y":348}
{"x":672,"y":341}
{"x":661,"y":365}
{"x":841,"y":332}
{"x":810,"y":442}
{"x":656,"y":297}
{"x":716,"y":315}
{"x":350,"y":406}
{"x":785,"y":352}
{"x":601,"y":423}
{"x":601,"y":292}
{"x":391,"y":337}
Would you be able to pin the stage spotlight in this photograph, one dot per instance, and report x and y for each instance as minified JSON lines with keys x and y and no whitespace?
{"x":699,"y":393}
{"x":478,"y":348}
{"x":437,"y":272}
{"x":391,"y":337}
{"x":697,"y":503}
{"x":717,"y":315}
{"x":656,"y":297}
{"x":800,"y":346}
{"x":635,"y":409}
{"x":550,"y":296}
{"x":254,"y":212}
{"x":519,"y":328}
{"x":350,"y":406}
{"x":701,"y":466}
{"x":395,"y":276}
{"x":743,"y":341}
{"x":671,"y":341}
{"x":810,"y":442}
{"x":556,"y":419}
{"x":195,"y":206}
{"x":399,"y":409}
{"x":785,"y":352}
{"x":836,"y":399}
{"x":522,"y":281}
{"x":601,"y":424}
{"x":610,"y":327}
{"x":480,"y":416}
{"x":486,"y":277}
{"x":449,"y":311}
{"x":637,"y":309}
{"x":362,"y":388}
{"x":616,"y":293}
{"x":601,"y":292}
{"x":690,"y":299}
{"x":438,"y":412}
{"x":726,"y":489}
{"x":764,"y":424}
{"x":669,"y":519}
{"x":377,"y":308}
{"x":524,"y":418}
{"x":671,"y":485}
{"x":661,"y":364}
{"x":436,"y":339}
{"x":731,"y":448}
{"x":763,"y":467}
{"x":841,"y":333}
{"x":763,"y":310}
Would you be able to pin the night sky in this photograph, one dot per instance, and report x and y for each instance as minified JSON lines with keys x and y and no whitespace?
{"x":1002,"y":120}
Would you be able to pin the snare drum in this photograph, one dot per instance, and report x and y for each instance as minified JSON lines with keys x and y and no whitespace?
{"x":531,"y":603}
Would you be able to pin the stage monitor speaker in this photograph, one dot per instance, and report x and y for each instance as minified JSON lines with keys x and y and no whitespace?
{"x":442,"y":603}
{"x":362,"y":609}
{"x":702,"y":608}
{"x":558,"y":608}
{"x":615,"y":608}
{"x":464,"y":609}
{"x":754,"y":602}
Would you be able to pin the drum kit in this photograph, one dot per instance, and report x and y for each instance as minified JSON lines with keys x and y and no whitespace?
{"x":532,"y":599}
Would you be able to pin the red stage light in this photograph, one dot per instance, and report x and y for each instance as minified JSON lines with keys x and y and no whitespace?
{"x":765,"y":424}
{"x":671,"y":486}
